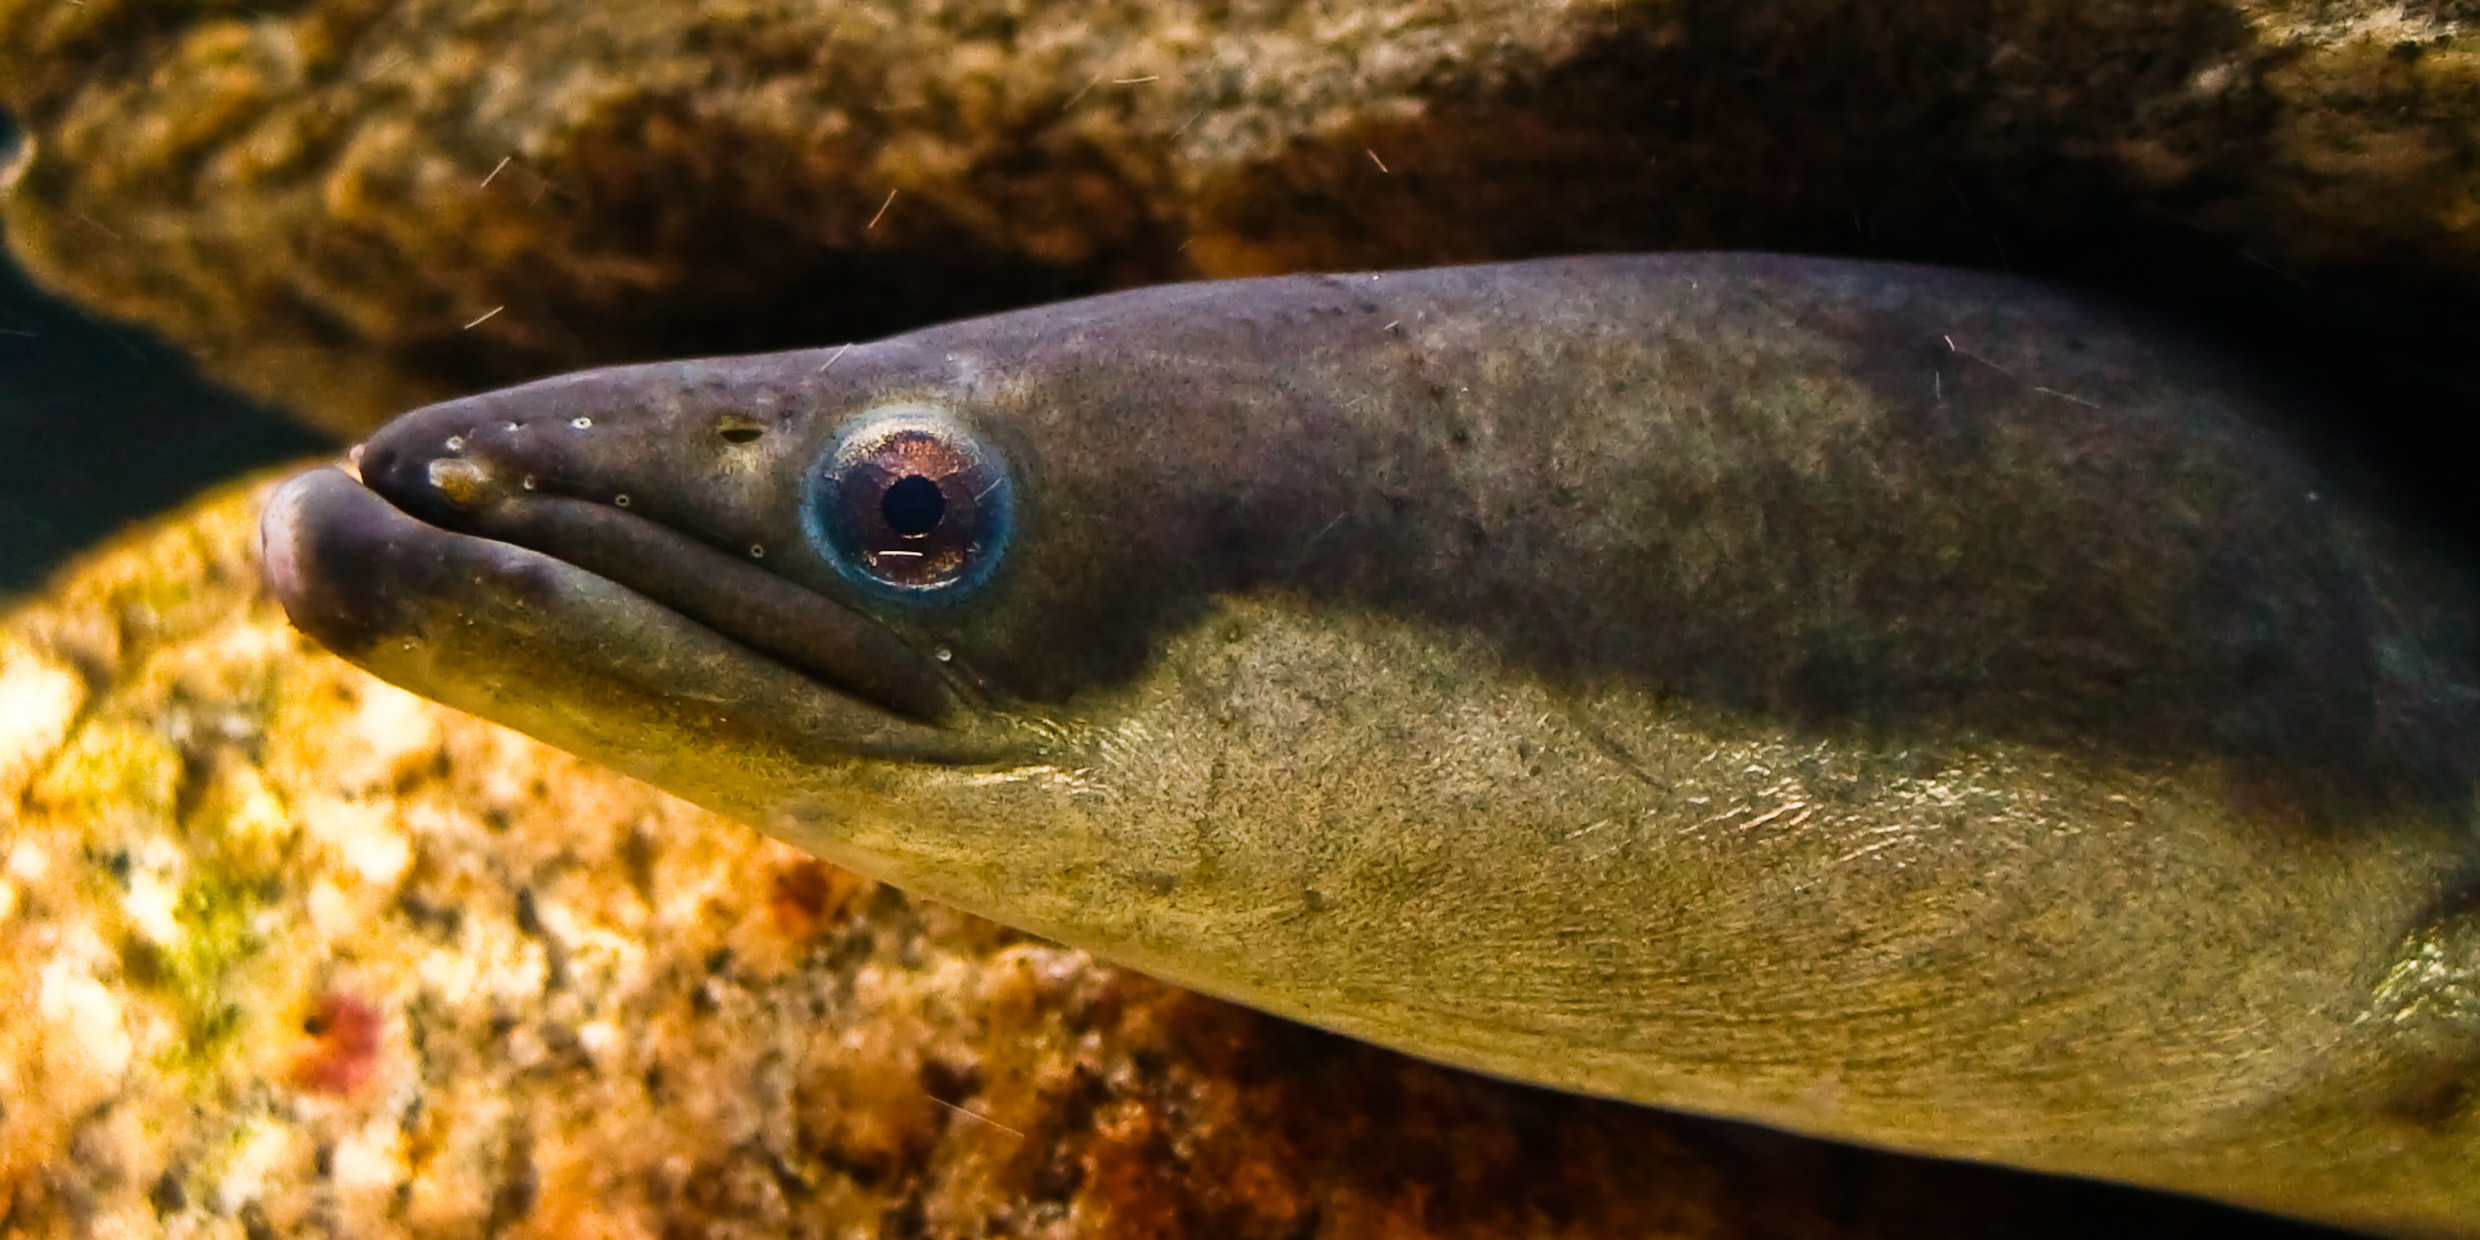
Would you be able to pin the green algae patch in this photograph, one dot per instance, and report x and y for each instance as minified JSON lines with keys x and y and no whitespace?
{"x":115,"y":771}
{"x":217,"y":912}
{"x":193,"y":865}
{"x":242,"y":876}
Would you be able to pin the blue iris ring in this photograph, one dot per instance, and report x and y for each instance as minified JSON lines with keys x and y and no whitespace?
{"x":909,"y":505}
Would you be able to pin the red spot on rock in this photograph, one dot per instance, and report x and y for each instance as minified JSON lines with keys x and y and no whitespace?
{"x":345,"y":1033}
{"x":807,"y":895}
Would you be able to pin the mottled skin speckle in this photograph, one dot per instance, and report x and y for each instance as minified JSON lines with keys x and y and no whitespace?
{"x":1897,"y":705}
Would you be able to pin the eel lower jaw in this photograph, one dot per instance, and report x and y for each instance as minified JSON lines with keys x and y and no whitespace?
{"x":570,"y":656}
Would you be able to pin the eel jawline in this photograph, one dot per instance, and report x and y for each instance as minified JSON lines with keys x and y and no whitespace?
{"x":548,"y":647}
{"x":831,"y":644}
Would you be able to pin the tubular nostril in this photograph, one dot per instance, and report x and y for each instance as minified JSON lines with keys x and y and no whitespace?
{"x":461,"y":482}
{"x":737,"y":428}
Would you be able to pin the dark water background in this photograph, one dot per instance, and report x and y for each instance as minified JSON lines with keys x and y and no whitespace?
{"x":101,"y":425}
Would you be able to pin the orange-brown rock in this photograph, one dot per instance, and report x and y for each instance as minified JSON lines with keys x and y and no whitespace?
{"x":350,"y":207}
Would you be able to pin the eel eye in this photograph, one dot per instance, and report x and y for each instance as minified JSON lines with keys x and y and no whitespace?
{"x":909,"y":504}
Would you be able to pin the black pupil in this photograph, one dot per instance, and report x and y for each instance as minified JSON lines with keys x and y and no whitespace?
{"x":913,"y":506}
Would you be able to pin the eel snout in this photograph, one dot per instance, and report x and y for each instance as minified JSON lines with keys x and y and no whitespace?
{"x":512,"y":471}
{"x":569,"y":654}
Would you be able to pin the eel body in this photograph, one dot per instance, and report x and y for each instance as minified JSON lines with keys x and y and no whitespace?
{"x":1905,"y":706}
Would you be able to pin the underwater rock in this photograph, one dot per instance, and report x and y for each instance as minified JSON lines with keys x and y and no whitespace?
{"x":354,"y":208}
{"x":287,"y":951}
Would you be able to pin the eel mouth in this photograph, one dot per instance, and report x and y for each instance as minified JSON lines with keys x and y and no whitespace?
{"x":599,"y":631}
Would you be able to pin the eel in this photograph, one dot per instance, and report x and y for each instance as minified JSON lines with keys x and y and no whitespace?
{"x":1906,"y":706}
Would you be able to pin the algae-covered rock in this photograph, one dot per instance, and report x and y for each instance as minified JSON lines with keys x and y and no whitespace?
{"x":285,"y":951}
{"x":350,"y":207}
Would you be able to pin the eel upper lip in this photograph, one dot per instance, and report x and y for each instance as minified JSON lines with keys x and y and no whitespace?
{"x":355,"y":571}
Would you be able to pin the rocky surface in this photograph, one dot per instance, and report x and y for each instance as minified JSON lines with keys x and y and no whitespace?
{"x":287,"y":952}
{"x":349,"y":206}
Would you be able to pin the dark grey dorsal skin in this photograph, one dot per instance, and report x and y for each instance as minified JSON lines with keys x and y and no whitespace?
{"x":1906,"y":706}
